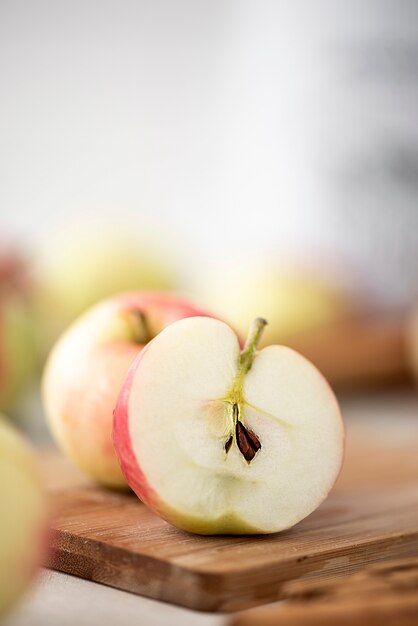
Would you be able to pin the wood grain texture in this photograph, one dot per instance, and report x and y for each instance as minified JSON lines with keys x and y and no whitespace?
{"x":110,"y":537}
{"x":379,"y":595}
{"x":359,"y":352}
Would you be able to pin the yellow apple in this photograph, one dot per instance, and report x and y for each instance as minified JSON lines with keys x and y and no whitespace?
{"x":85,"y":265}
{"x":22,"y":517}
{"x":293,"y":300}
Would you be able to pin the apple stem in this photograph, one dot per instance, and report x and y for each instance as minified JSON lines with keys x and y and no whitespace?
{"x":145,"y":325}
{"x":140,"y":327}
{"x":250,"y":347}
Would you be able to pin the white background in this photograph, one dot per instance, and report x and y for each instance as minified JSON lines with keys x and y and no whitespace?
{"x":229,"y":124}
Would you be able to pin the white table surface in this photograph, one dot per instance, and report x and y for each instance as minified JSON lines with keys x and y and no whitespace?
{"x":58,"y":599}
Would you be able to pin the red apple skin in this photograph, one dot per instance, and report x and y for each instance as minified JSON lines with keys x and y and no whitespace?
{"x":133,"y":473}
{"x":94,"y":356}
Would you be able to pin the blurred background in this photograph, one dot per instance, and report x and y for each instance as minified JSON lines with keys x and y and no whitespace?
{"x":258,"y":157}
{"x":261,"y":157}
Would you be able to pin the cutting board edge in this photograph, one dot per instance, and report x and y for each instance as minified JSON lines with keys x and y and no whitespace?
{"x":219,"y":592}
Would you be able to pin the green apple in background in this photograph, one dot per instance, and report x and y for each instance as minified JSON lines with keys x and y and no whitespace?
{"x":85,"y":264}
{"x":293,"y":298}
{"x":18,"y":336}
{"x":22,"y":518}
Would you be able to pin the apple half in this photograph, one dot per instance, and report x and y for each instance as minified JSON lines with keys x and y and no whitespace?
{"x":217,"y":440}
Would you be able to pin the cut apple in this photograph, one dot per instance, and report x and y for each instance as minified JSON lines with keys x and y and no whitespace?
{"x":215,"y":440}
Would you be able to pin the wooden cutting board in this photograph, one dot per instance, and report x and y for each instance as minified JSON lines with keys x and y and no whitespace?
{"x":112,"y":538}
{"x":384,"y":594}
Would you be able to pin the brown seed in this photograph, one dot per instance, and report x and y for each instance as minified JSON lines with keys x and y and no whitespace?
{"x":248,"y":442}
{"x":255,"y":442}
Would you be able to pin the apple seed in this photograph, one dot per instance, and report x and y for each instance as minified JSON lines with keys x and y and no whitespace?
{"x":228,"y":444}
{"x":248,"y":443}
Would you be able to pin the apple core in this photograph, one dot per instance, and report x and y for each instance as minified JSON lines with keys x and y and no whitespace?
{"x":247,"y":441}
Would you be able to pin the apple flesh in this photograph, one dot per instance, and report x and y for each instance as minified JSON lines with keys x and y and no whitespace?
{"x":86,"y":369}
{"x":22,"y":518}
{"x":215,"y":440}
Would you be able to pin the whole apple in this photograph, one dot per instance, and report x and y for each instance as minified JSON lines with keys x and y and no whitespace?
{"x":18,"y":336}
{"x":86,"y":369}
{"x":217,"y":440}
{"x":294,"y":299}
{"x":22,"y":517}
{"x":90,"y":262}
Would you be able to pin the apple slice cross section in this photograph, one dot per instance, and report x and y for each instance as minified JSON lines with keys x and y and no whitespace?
{"x":217,"y":440}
